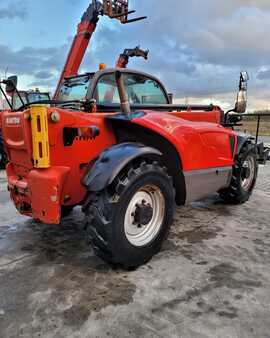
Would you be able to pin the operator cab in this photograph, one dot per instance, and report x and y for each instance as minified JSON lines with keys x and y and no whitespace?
{"x":100,"y":92}
{"x":141,"y":88}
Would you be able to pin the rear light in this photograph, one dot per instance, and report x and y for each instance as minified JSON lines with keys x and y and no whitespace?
{"x":40,"y":137}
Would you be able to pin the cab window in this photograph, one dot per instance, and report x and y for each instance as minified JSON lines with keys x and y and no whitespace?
{"x":106,"y":91}
{"x":75,"y":88}
{"x":139,"y":88}
{"x":16,"y":101}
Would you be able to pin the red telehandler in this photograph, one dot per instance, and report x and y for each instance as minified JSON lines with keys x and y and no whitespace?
{"x":112,"y":142}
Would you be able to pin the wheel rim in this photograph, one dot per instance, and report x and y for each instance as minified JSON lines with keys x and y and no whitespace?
{"x":144,"y":216}
{"x":248,"y":173}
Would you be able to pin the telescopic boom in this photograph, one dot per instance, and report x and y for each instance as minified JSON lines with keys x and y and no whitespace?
{"x":114,"y":9}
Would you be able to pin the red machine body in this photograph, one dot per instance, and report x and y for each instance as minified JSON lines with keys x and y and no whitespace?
{"x":193,"y":139}
{"x":40,"y":193}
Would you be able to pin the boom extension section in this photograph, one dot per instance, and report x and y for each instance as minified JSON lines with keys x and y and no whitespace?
{"x":114,"y":9}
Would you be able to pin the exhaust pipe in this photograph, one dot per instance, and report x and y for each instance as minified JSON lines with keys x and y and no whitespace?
{"x":125,"y":105}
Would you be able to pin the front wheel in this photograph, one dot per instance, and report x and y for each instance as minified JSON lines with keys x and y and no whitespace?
{"x":244,"y":177}
{"x":128,"y":222}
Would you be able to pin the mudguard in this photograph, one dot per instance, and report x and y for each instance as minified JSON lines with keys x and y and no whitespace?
{"x":262,"y":151}
{"x":110,"y":163}
{"x":241,"y":141}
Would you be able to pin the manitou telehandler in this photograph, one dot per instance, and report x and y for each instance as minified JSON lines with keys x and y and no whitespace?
{"x":111,"y":142}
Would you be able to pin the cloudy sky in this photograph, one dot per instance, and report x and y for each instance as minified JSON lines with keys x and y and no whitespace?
{"x":197,"y":47}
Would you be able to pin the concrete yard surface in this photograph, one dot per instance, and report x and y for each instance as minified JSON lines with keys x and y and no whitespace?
{"x":212,"y":278}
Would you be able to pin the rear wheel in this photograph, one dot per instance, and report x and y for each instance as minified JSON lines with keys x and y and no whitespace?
{"x":128,"y":222}
{"x":244,"y":177}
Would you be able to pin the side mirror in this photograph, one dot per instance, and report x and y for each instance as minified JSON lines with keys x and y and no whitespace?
{"x":241,"y":102}
{"x":11,"y":84}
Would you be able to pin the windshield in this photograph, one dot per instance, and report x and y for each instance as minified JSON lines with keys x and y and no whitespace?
{"x":28,"y":98}
{"x":75,"y":88}
{"x":34,"y":97}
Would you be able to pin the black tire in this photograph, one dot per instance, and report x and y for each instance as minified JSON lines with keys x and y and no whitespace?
{"x":236,"y":193}
{"x":3,"y":155}
{"x":66,"y":210}
{"x":105,"y":216}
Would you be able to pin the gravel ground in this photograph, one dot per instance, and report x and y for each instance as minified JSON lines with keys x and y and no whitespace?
{"x":212,"y":278}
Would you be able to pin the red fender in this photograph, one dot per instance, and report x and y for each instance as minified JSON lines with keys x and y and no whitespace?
{"x":201,"y":145}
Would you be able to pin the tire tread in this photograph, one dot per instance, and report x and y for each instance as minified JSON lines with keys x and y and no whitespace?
{"x":99,"y":213}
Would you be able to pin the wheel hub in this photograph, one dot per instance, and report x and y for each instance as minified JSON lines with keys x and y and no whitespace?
{"x":143,"y":213}
{"x":248,"y":173}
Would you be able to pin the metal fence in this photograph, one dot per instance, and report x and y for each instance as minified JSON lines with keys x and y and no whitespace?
{"x":257,"y":124}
